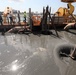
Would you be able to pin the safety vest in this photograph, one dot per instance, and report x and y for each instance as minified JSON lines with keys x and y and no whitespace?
{"x":24,"y":14}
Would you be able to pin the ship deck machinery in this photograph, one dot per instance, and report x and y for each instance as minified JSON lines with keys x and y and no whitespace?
{"x":43,"y":22}
{"x":59,"y":19}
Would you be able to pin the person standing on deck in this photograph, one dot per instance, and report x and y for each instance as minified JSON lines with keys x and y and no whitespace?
{"x":8,"y":17}
{"x":25,"y":16}
{"x":18,"y":14}
{"x":1,"y":20}
{"x":11,"y":18}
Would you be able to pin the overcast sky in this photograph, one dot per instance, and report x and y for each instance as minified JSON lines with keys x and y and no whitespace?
{"x":35,"y":5}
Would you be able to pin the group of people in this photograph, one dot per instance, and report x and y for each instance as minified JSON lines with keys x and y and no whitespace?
{"x":10,"y":18}
{"x":24,"y":16}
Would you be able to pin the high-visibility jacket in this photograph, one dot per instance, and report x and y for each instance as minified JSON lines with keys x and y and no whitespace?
{"x":24,"y":14}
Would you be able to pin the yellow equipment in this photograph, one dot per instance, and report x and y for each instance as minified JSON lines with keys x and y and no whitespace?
{"x":66,"y":12}
{"x":70,"y":8}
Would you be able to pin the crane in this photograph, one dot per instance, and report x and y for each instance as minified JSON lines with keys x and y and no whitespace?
{"x":70,"y":8}
{"x":66,"y":12}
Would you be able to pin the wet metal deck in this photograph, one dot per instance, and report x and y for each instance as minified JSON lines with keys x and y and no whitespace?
{"x":33,"y":54}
